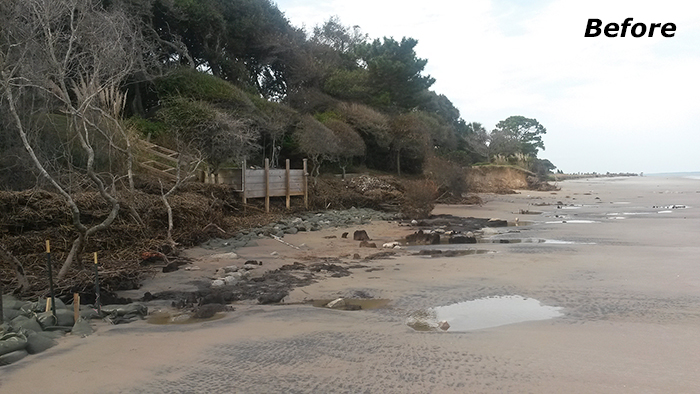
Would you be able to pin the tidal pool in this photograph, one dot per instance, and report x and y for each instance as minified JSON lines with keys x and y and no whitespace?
{"x":483,"y":313}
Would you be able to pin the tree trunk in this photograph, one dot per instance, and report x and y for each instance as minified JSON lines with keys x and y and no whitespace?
{"x":74,"y":254}
{"x":19,"y":269}
{"x":398,"y":162}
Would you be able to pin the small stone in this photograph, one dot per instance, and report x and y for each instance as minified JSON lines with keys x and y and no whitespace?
{"x":217,"y":283}
{"x":193,"y":268}
{"x":444,"y":325}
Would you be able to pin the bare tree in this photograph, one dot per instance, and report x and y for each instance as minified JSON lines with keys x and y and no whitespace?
{"x":70,"y":57}
{"x":316,"y":141}
{"x":350,"y":143}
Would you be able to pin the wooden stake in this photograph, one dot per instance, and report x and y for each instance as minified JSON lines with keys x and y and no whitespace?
{"x":306,"y":186}
{"x":267,"y":185}
{"x":286,"y":183}
{"x":76,"y":306}
{"x":48,"y":264}
{"x":245,"y":201}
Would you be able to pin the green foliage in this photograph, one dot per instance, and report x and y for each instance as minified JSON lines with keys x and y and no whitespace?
{"x":395,"y":72}
{"x":517,"y":134}
{"x":327,"y":116}
{"x":189,"y":83}
{"x":152,"y":129}
{"x":348,"y":84}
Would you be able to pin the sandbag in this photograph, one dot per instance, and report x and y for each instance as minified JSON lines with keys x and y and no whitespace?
{"x":82,"y":328}
{"x":30,"y":324}
{"x":46,"y":319}
{"x":12,"y":342}
{"x":37,"y":342}
{"x":118,"y":314}
{"x":11,"y":303}
{"x":88,"y":313}
{"x":65,"y":317}
{"x":9,"y":314}
{"x":13,"y":357}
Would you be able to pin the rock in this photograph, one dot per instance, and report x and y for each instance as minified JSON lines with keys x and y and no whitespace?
{"x":356,"y":256}
{"x":223,"y":256}
{"x":274,"y":254}
{"x":171,"y":267}
{"x":443,"y":325}
{"x":494,"y":222}
{"x":217,"y":283}
{"x":338,"y":303}
{"x":272,"y":298}
{"x":230,"y":280}
{"x":365,"y":244}
{"x":462,"y":239}
{"x":345,"y":235}
{"x":230,"y":268}
{"x":193,"y":268}
{"x":220,"y":273}
{"x":360,"y":235}
{"x":207,"y":311}
{"x":390,"y":245}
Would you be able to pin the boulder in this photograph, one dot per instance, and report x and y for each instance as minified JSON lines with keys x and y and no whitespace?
{"x":360,"y":235}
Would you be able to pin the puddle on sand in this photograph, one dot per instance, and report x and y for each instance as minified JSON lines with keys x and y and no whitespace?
{"x":163,"y":318}
{"x":483,"y":313}
{"x":572,"y":221}
{"x":355,"y":303}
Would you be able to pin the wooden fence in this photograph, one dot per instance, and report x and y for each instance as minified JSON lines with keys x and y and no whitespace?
{"x":267,"y":182}
{"x":257,"y":183}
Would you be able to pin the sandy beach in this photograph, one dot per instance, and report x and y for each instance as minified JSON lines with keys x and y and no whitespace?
{"x":616,"y":258}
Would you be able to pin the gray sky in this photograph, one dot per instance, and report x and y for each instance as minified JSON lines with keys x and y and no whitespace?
{"x":609,"y":104}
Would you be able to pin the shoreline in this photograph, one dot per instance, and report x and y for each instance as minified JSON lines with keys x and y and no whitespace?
{"x":624,"y":272}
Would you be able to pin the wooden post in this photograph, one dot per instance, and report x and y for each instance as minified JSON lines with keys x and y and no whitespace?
{"x":98,"y":302}
{"x":286,"y":182}
{"x":267,"y":185}
{"x":245,"y":201}
{"x":48,"y":263}
{"x":76,"y":306}
{"x":306,"y":186}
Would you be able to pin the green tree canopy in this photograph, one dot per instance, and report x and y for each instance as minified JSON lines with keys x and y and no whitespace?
{"x":395,"y":72}
{"x":517,"y":134}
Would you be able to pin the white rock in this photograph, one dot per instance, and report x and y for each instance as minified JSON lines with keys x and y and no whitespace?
{"x":217,"y":283}
{"x":414,"y":222}
{"x":192,"y":268}
{"x":229,"y":280}
{"x":222,"y":256}
{"x":220,"y":273}
{"x":390,"y":245}
{"x":275,"y":254}
{"x":335,"y":304}
{"x":230,"y":268}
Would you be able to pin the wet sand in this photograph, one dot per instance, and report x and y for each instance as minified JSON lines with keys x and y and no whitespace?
{"x":621,"y":261}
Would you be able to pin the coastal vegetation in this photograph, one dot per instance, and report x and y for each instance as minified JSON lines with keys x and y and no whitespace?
{"x":84,"y":82}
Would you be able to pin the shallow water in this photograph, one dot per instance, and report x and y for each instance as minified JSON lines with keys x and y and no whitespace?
{"x":162,"y":318}
{"x":483,"y":313}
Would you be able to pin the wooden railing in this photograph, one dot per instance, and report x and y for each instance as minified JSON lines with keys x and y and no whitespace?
{"x":251,"y":183}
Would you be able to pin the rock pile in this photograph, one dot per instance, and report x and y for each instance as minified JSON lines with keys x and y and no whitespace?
{"x":30,"y":329}
{"x":306,"y":222}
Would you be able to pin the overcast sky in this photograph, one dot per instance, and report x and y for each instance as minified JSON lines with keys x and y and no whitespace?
{"x":609,"y":104}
